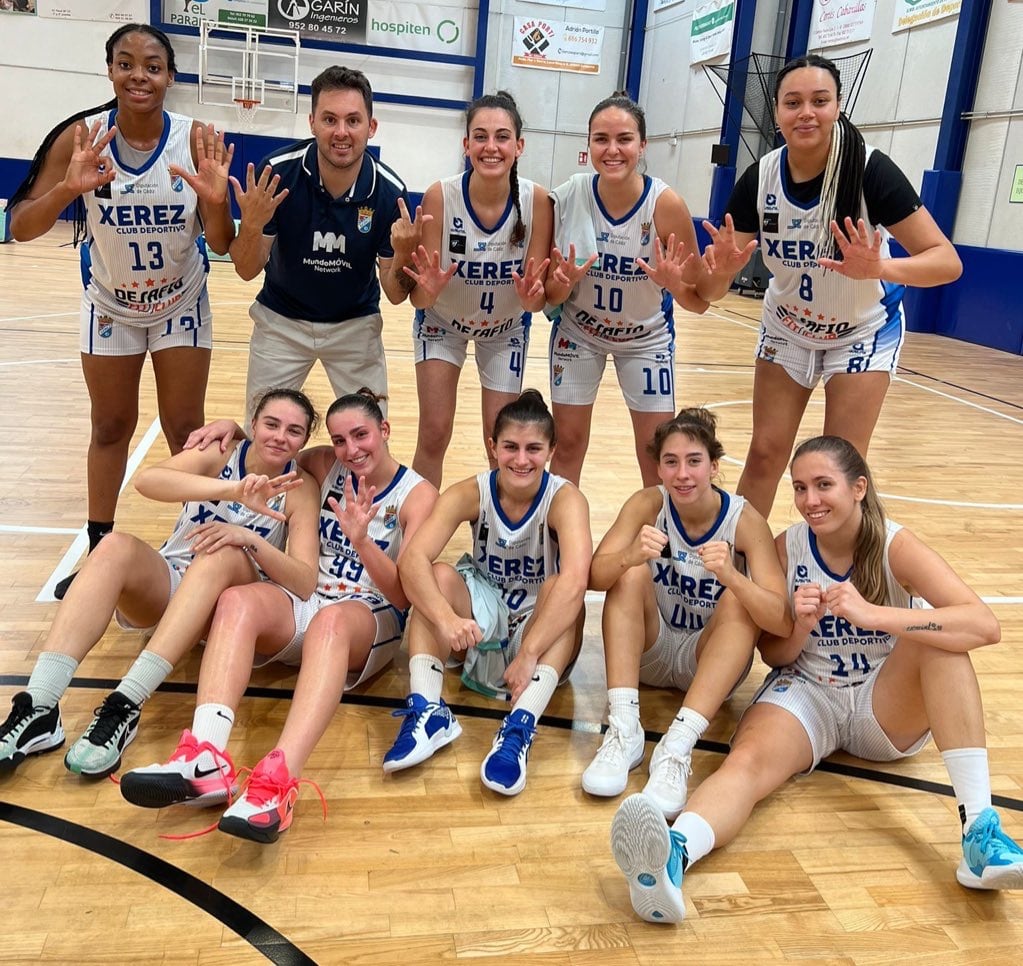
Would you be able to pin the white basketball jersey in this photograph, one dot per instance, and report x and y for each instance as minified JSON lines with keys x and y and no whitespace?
{"x":140,"y":259}
{"x":837,"y":652}
{"x":615,"y":302}
{"x":686,"y":592}
{"x":178,"y":548}
{"x":341,"y":570}
{"x":480,"y":300}
{"x":516,"y":557}
{"x":818,"y":307}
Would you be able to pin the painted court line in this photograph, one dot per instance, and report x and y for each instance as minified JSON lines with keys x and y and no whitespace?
{"x":81,"y":542}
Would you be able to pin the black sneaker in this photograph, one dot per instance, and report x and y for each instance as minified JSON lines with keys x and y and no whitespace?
{"x":28,"y":730}
{"x":61,"y":587}
{"x":98,"y":752}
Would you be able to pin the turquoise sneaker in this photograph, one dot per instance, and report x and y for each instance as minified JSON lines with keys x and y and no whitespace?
{"x":652,"y":857}
{"x":991,"y":860}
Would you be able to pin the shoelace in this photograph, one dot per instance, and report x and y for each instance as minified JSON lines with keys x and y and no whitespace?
{"x":411,"y":716}
{"x":514,"y":737}
{"x":674,"y":771}
{"x":261,"y":787}
{"x":21,"y":707}
{"x":110,"y":715}
{"x":613,"y":749}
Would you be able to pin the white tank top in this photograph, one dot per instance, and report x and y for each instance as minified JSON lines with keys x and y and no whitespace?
{"x":516,"y":557}
{"x":480,"y":299}
{"x":140,"y":258}
{"x":837,"y":652}
{"x":615,"y":303}
{"x":341,"y":570}
{"x":686,"y":592}
{"x":818,"y":307}
{"x":177,"y":549}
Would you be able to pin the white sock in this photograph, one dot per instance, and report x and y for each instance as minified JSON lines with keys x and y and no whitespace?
{"x":50,"y":678}
{"x":971,"y":781}
{"x":213,"y":723}
{"x":539,"y":692}
{"x":426,"y":676}
{"x":147,"y":673}
{"x":685,"y":731}
{"x":699,"y":835}
{"x":623,"y":705}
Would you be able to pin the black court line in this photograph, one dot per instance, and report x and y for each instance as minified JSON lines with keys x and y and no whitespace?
{"x":257,"y":933}
{"x":961,"y":388}
{"x":551,"y":721}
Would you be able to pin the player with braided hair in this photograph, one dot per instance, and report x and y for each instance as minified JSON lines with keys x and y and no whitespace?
{"x":824,"y":205}
{"x":479,"y":275}
{"x":145,"y":183}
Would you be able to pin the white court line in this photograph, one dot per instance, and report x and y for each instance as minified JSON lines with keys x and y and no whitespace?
{"x":9,"y":528}
{"x":38,"y":362}
{"x":959,"y":399}
{"x":742,"y":323}
{"x":81,"y":542}
{"x":30,"y":318}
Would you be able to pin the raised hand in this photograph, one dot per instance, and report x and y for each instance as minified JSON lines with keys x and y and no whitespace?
{"x":722,"y":256}
{"x":529,"y":285}
{"x":428,"y":275}
{"x":669,"y":263}
{"x":212,"y":162}
{"x":844,"y":600}
{"x":566,"y":271}
{"x":808,"y":605}
{"x":406,"y":234}
{"x":647,"y":545}
{"x":257,"y":491}
{"x":861,"y":253}
{"x":259,"y":199}
{"x":717,"y":558}
{"x":355,"y":516}
{"x":89,"y":168}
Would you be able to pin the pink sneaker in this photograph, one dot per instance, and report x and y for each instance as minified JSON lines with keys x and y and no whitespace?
{"x":196,"y":774}
{"x":265,"y":808}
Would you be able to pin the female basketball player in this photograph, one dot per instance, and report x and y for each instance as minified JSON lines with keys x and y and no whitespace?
{"x":625,"y":251}
{"x":494,"y":229}
{"x":238,"y":512}
{"x":349,"y":630}
{"x":824,"y":205}
{"x":512,"y":608}
{"x":148,"y":182}
{"x":863,"y":671}
{"x":681,"y":609}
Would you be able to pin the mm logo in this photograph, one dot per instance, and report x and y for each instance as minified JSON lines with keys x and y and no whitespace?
{"x":328,"y":241}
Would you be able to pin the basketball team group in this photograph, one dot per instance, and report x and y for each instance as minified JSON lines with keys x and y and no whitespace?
{"x":328,"y":557}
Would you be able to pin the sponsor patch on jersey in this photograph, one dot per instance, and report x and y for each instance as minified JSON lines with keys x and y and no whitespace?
{"x":771,"y":201}
{"x":782,"y":685}
{"x":365,"y":220}
{"x":769,"y":222}
{"x":456,"y":243}
{"x":178,"y":183}
{"x":391,"y":516}
{"x":644,"y":238}
{"x":559,"y":371}
{"x":106,"y":326}
{"x":103,"y":191}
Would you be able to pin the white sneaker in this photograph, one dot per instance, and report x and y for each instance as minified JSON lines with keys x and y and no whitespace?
{"x":620,"y":752}
{"x":669,"y":774}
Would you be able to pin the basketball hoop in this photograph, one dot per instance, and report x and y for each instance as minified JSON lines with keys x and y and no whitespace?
{"x":246,"y":108}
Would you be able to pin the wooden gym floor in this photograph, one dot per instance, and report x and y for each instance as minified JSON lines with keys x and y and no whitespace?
{"x":852,"y":865}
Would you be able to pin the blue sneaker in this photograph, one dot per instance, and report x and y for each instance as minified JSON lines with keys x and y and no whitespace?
{"x":504,"y":769}
{"x":991,"y":860}
{"x":652,"y":857}
{"x":426,"y":728}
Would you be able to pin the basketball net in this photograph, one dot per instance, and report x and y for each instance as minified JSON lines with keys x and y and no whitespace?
{"x":246,"y":109}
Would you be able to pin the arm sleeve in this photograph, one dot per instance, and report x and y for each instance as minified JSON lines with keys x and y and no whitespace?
{"x":889,"y":195}
{"x":742,"y":205}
